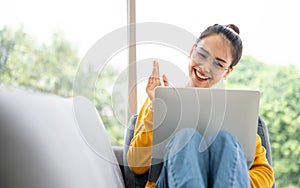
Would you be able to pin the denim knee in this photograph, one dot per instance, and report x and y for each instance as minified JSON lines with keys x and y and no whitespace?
{"x":187,"y":137}
{"x":223,"y":136}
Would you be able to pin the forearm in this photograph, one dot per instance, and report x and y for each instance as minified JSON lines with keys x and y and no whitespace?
{"x":262,"y":176}
{"x":261,"y":173}
{"x":139,"y":152}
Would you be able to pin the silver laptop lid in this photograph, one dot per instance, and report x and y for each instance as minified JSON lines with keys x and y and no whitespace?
{"x":208,"y":111}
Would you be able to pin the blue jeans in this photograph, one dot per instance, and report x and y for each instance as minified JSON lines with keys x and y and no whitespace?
{"x":222,"y":164}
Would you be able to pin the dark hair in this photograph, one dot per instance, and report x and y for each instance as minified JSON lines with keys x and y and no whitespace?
{"x":231,"y":33}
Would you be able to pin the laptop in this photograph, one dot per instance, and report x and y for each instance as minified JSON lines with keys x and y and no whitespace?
{"x":205,"y":110}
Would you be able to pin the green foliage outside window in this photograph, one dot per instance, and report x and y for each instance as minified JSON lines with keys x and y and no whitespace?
{"x":52,"y":69}
{"x":280,"y":108}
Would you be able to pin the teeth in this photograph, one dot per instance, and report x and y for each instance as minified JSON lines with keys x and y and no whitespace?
{"x":200,"y":76}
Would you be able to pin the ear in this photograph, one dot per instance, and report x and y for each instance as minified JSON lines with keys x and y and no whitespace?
{"x":227,"y":73}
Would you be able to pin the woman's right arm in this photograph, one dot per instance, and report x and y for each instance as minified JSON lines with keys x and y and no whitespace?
{"x":140,"y":152}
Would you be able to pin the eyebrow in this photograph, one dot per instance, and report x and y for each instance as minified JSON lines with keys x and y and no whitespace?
{"x":217,"y":58}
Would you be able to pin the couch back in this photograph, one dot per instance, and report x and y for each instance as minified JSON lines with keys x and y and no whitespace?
{"x":43,"y":145}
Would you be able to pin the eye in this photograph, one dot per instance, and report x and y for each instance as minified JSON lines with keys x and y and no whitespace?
{"x":201,"y":55}
{"x":218,"y":64}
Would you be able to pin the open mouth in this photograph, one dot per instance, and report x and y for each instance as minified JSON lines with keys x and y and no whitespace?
{"x":200,"y":76}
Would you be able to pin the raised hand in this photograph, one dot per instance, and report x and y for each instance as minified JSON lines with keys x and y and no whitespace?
{"x":154,"y":81}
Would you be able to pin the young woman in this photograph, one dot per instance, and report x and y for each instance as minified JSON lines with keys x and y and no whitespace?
{"x":223,"y":164}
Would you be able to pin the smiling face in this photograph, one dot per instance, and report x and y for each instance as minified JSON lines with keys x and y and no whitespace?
{"x":216,"y":51}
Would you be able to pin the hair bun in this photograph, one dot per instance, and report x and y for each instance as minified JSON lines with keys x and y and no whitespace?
{"x":234,"y":28}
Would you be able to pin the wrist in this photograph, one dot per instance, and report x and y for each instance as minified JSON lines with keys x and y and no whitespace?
{"x":151,"y":106}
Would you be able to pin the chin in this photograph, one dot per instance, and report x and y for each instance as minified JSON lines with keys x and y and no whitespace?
{"x":198,"y":84}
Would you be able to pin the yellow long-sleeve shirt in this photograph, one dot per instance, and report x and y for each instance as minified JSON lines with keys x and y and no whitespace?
{"x":139,"y":154}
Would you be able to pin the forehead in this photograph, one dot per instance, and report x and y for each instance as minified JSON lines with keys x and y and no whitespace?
{"x":218,"y":46}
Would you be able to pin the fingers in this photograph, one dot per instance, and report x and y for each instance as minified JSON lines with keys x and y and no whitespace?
{"x":165,"y":80}
{"x":155,"y":76}
{"x":152,"y":84}
{"x":154,"y":80}
{"x":155,"y":71}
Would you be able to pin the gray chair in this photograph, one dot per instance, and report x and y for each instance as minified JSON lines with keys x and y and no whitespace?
{"x":42,"y":146}
{"x":133,"y":180}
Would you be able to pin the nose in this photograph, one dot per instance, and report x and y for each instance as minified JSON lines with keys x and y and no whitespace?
{"x":205,"y":67}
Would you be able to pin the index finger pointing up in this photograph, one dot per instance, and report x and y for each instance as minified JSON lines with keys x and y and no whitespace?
{"x":155,"y":71}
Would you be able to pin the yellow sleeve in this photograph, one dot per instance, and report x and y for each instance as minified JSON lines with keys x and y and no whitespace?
{"x":150,"y":184}
{"x":261,"y":173}
{"x":139,"y":152}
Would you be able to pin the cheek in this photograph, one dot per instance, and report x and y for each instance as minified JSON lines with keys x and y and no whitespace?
{"x":191,"y":66}
{"x":217,"y":79}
